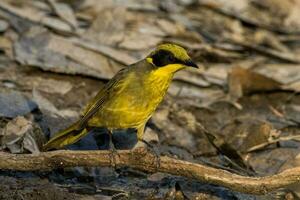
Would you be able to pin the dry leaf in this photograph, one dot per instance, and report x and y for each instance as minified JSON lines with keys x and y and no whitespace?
{"x":3,"y":25}
{"x":284,"y":73}
{"x":248,"y":132}
{"x":118,"y":55}
{"x":32,"y":14}
{"x":64,"y":11}
{"x":54,"y":53}
{"x":244,"y":81}
{"x":51,"y":86}
{"x":20,"y":134}
{"x":14,"y":103}
{"x":109,"y":26}
{"x":49,"y":109}
{"x":139,"y":41}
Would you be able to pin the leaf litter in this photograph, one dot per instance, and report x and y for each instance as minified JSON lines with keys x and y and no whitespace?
{"x":238,"y":112}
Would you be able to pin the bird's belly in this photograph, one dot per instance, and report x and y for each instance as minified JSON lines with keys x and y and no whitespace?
{"x":131,"y":108}
{"x":127,"y":111}
{"x":118,"y":119}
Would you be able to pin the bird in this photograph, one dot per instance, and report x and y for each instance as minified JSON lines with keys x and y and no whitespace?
{"x":129,"y":99}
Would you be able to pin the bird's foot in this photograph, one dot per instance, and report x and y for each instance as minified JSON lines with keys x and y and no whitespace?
{"x":113,"y":155}
{"x":154,"y":151}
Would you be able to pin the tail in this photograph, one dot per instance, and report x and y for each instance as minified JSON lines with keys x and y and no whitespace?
{"x":65,"y":137}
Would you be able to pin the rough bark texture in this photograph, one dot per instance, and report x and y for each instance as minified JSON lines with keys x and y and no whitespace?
{"x":145,"y":161}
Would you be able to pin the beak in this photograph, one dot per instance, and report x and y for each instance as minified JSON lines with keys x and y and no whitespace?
{"x":190,"y":63}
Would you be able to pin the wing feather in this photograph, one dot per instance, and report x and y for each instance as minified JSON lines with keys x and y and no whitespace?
{"x":116,"y":84}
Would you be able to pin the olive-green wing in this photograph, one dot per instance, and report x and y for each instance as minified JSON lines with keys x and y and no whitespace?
{"x":78,"y":130}
{"x":115,"y":85}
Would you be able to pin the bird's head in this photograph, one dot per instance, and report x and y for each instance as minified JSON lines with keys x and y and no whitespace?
{"x":170,"y":58}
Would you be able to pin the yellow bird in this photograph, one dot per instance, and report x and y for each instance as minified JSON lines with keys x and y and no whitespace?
{"x":130,"y":97}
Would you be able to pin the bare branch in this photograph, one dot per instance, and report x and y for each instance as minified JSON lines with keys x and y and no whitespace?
{"x":145,"y":161}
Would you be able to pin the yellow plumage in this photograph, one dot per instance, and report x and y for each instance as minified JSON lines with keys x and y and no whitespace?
{"x":130,"y":97}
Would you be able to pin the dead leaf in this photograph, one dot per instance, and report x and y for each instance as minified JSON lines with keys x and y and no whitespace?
{"x":109,"y":26}
{"x":192,"y":77}
{"x":54,"y":53}
{"x":150,"y":135}
{"x":283,"y":73}
{"x":170,"y":28}
{"x":48,"y":85}
{"x":113,"y":53}
{"x":244,"y":81}
{"x":200,"y":97}
{"x":57,"y":24}
{"x":292,"y":112}
{"x":13,"y":103}
{"x":48,"y":108}
{"x":20,"y":134}
{"x":267,"y":38}
{"x":213,"y":54}
{"x":285,"y":56}
{"x":292,"y":86}
{"x":34,"y":15}
{"x":270,"y":162}
{"x":6,"y":46}
{"x":276,"y":7}
{"x":139,"y":41}
{"x":64,"y":11}
{"x":53,"y":119}
{"x":217,"y":74}
{"x":174,"y":134}
{"x":292,"y":20}
{"x":3,"y":25}
{"x":247,"y":132}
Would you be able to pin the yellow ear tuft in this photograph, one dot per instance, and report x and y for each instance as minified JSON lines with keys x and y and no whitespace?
{"x":149,"y":60}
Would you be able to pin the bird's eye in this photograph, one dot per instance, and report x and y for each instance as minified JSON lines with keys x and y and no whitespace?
{"x":163,"y":58}
{"x":171,"y":58}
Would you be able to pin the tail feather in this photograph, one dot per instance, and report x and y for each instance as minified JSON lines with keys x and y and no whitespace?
{"x":65,"y":137}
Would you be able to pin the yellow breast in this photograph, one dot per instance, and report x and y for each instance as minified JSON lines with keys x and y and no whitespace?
{"x":135,"y":104}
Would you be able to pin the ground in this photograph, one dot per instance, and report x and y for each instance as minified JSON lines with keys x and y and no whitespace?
{"x":55,"y":55}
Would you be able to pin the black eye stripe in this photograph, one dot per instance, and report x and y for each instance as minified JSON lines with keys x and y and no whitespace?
{"x":164,"y":57}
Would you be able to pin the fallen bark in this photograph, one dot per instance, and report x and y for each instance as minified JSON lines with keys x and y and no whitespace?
{"x":145,"y":161}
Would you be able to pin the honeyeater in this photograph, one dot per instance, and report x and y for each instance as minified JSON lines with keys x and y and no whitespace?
{"x":130,"y":97}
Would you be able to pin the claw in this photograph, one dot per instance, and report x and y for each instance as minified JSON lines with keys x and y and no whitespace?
{"x":113,"y":151}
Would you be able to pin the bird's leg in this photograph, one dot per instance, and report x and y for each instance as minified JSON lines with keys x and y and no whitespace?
{"x":152,"y":148}
{"x":112,"y":149}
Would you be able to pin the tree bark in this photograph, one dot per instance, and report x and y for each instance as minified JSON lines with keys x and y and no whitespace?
{"x":142,"y":160}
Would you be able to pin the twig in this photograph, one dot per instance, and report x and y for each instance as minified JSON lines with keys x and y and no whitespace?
{"x":280,"y":139}
{"x":227,"y":152}
{"x":145,"y":161}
